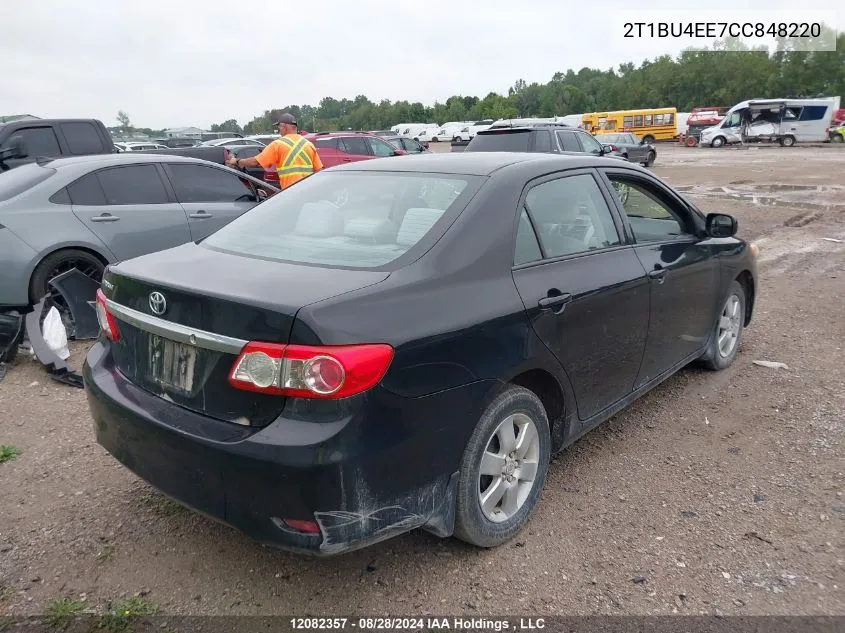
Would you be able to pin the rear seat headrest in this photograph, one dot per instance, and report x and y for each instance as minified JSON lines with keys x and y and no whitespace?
{"x":416,"y":223}
{"x":379,"y":230}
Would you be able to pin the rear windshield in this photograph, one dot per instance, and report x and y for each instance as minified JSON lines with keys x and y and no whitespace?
{"x":348,"y":219}
{"x":15,"y":181}
{"x":500,"y":141}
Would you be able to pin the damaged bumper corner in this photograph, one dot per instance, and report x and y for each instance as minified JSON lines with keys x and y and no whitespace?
{"x":358,"y":488}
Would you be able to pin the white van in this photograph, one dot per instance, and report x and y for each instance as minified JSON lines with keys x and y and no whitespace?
{"x":468,"y":131}
{"x":413,"y":130}
{"x":785,"y":121}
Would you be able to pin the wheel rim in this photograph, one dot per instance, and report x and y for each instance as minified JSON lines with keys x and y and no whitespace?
{"x":508,"y":468}
{"x":729,"y":324}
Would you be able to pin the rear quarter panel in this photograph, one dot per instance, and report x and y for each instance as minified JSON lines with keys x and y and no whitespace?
{"x":46,"y":227}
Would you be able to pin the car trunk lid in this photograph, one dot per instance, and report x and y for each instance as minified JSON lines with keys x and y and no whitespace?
{"x":184,"y":315}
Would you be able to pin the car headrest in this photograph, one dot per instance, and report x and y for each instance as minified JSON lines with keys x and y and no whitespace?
{"x":416,"y":223}
{"x":378,"y":230}
{"x":319,"y":219}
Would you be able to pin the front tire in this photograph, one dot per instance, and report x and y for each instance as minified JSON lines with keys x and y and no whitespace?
{"x":649,"y":159}
{"x":718,"y":141}
{"x":787,"y":141}
{"x":503,"y":469}
{"x":727,"y":333}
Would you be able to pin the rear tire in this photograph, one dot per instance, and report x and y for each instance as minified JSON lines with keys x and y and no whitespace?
{"x":512,"y":443}
{"x":62,"y":260}
{"x":648,"y":139}
{"x":727,"y":332}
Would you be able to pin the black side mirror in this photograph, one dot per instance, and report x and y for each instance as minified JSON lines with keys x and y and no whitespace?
{"x":721,"y":225}
{"x":18,"y":147}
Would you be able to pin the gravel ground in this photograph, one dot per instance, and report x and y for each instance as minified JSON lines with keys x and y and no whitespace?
{"x":715,"y":493}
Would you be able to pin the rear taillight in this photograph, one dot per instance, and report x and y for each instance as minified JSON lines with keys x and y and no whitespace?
{"x":108,"y":324}
{"x":303,"y":371}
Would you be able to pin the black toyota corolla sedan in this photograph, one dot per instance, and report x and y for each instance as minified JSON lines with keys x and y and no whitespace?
{"x":400,"y":344}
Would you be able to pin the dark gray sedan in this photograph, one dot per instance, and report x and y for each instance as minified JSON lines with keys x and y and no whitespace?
{"x":630,"y":147}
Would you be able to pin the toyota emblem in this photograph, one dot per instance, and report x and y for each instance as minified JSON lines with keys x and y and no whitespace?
{"x":158,"y":304}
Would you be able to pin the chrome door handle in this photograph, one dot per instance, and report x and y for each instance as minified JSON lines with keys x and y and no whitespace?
{"x":201,"y":215}
{"x":106,"y":217}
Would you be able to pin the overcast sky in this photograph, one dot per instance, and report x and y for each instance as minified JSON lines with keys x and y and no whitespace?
{"x":196,"y":62}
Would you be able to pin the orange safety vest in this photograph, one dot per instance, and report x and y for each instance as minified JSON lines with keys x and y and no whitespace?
{"x":299,"y":160}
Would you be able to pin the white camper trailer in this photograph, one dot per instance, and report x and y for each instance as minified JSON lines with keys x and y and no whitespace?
{"x":784,"y":121}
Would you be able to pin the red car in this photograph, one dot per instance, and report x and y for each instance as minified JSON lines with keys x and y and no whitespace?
{"x":336,"y":148}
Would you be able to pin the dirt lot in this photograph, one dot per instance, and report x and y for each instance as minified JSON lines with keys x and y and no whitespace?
{"x":717,"y":492}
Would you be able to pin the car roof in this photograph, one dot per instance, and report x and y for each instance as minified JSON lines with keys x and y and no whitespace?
{"x":315,"y":135}
{"x":527,"y":127}
{"x":107,"y":160}
{"x":474,"y":163}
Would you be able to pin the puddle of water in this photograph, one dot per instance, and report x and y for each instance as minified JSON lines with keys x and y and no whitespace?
{"x":810,"y":197}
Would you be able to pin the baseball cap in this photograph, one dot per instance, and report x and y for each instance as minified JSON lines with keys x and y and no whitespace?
{"x":285,"y":118}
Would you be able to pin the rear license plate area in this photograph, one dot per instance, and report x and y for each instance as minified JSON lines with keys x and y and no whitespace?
{"x":172,"y":365}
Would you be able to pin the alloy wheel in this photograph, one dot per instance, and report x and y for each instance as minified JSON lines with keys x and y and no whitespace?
{"x":508,"y":467}
{"x":729,"y":325}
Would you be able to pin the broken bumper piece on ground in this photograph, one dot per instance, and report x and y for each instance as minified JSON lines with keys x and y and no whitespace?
{"x":58,"y":369}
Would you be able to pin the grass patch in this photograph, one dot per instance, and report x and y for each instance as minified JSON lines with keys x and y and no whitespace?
{"x":163,"y":505}
{"x":8,"y":453}
{"x":106,"y":555}
{"x":59,"y":612}
{"x":122,"y":613}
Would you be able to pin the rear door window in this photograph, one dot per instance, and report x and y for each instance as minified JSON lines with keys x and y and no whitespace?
{"x":82,"y":138}
{"x":355,"y":145}
{"x":198,"y":183}
{"x":571,"y":216}
{"x":568,"y":142}
{"x":500,"y":141}
{"x":327,"y":143}
{"x":135,"y":184}
{"x":86,"y":191}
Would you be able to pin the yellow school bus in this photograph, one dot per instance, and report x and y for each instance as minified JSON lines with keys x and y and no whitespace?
{"x":650,"y":124}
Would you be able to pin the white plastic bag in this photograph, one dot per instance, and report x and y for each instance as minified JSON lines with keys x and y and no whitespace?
{"x":55,"y":334}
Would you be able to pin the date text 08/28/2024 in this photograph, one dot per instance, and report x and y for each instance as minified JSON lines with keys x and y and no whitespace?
{"x":711,"y":30}
{"x":416,"y":624}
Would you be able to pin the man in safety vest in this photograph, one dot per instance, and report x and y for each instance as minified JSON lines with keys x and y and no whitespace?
{"x":293,"y":156}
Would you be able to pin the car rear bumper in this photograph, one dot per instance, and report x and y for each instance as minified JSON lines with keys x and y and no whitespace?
{"x":383,"y":467}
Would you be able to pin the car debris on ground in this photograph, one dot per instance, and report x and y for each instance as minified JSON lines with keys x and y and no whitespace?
{"x":46,"y":329}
